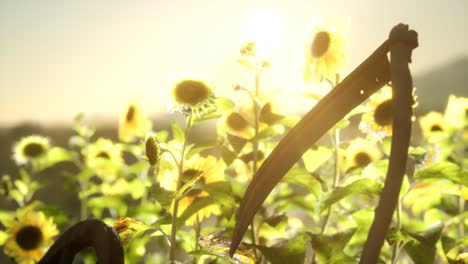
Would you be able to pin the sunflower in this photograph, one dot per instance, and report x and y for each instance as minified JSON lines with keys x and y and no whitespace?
{"x":132,"y":124}
{"x":432,"y":122}
{"x":238,"y":124}
{"x":31,"y":148}
{"x":360,"y":153}
{"x":103,"y":157}
{"x":325,"y":49}
{"x":378,"y":119}
{"x":193,"y":95}
{"x":29,"y":235}
{"x":210,"y":169}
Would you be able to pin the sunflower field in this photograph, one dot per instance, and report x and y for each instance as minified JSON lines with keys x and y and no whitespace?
{"x":173,"y":199}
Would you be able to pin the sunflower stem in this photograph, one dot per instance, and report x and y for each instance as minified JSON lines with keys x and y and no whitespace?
{"x":255,"y":146}
{"x":336,"y":172}
{"x":179,"y":185}
{"x":83,"y":199}
{"x":397,"y":246}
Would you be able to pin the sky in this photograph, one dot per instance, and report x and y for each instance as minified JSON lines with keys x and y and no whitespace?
{"x":59,"y":57}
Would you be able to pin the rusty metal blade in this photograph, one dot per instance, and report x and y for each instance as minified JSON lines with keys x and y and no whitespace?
{"x":367,"y":78}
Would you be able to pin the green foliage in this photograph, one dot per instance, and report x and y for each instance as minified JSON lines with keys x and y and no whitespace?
{"x":329,"y":247}
{"x":363,"y":186}
{"x":289,"y":251}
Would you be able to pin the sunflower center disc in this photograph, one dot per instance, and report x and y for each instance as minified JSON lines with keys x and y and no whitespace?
{"x":29,"y":237}
{"x":33,"y":150}
{"x":383,"y":113}
{"x":321,"y":44}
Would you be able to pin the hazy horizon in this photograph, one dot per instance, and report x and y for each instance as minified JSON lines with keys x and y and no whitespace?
{"x":64,"y":57}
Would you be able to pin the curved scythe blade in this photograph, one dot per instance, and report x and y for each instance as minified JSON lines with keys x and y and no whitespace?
{"x":367,"y":78}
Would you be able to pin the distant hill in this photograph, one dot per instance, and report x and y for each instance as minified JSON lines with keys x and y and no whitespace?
{"x":434,"y":87}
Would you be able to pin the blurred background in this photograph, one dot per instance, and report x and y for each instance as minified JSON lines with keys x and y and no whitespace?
{"x":59,"y":58}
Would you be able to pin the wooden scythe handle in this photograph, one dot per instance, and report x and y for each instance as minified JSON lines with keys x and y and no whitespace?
{"x":89,"y":233}
{"x":403,"y":43}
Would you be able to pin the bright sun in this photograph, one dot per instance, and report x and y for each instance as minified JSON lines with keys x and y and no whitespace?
{"x":266,"y":28}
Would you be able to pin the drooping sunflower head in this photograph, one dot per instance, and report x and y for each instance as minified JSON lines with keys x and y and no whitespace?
{"x":360,"y":153}
{"x":325,"y":49}
{"x":128,"y":228}
{"x":153,"y":151}
{"x":29,"y":235}
{"x":104,"y":157}
{"x":193,"y":95}
{"x":431,"y":123}
{"x":379,"y":117}
{"x":132,"y":124}
{"x":31,"y":148}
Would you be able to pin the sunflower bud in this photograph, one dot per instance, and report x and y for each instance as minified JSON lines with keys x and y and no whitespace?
{"x":152,"y":150}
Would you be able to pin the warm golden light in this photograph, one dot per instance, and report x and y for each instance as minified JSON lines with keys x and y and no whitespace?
{"x":266,"y":28}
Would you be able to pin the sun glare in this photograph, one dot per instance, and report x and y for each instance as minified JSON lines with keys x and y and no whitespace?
{"x":266,"y":28}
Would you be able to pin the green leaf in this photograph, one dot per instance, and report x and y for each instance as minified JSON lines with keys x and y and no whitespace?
{"x":6,"y":216}
{"x":303,"y":178}
{"x":136,"y":188}
{"x":22,"y":187}
{"x":162,"y":196}
{"x":417,"y":153}
{"x":289,"y":251}
{"x":177,"y":133}
{"x":266,"y":133}
{"x":206,"y":116}
{"x":422,"y":248}
{"x":327,"y":246}
{"x":199,"y":149}
{"x":363,"y":186}
{"x":227,"y":155}
{"x":187,"y":185}
{"x":316,"y":157}
{"x":224,"y":104}
{"x":236,"y":142}
{"x":343,"y":123}
{"x":161,"y":136}
{"x":221,"y":192}
{"x":444,"y":170}
{"x":289,"y":121}
{"x":222,"y":257}
{"x":274,"y":220}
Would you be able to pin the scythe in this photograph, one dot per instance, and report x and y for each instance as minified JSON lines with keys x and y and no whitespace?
{"x":366,"y":79}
